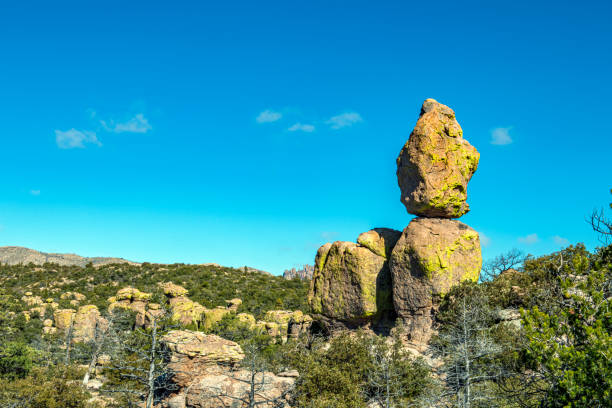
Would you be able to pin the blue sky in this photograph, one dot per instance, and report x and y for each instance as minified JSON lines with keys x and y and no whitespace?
{"x":250,"y":133}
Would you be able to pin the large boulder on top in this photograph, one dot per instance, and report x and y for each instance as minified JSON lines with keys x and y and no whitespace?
{"x":351,"y":282}
{"x":431,"y":256}
{"x":436,"y":164}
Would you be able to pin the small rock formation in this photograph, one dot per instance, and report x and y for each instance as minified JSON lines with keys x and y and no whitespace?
{"x":83,"y":322}
{"x":284,"y":323}
{"x":436,"y":164}
{"x":304,"y":273}
{"x":207,"y":367}
{"x":431,"y":256}
{"x":132,"y":299}
{"x":183,"y":309}
{"x":351,"y":284}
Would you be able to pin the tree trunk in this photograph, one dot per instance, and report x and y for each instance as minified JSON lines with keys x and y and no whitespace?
{"x":98,"y":342}
{"x":151,"y":377}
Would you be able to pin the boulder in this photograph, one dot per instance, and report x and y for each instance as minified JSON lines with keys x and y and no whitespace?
{"x":351,"y":282}
{"x":132,"y":294}
{"x":431,"y":256}
{"x":85,"y":321}
{"x":233,"y":304}
{"x":436,"y":164}
{"x":213,"y":316}
{"x":344,"y":285}
{"x":247,"y":319}
{"x":208,"y":373}
{"x":207,"y":349}
{"x":379,"y":240}
{"x":172,"y":290}
{"x":63,"y":318}
{"x":186,"y":311}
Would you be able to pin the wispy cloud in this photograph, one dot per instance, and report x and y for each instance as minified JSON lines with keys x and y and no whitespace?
{"x":485,"y":241}
{"x":561,"y":241}
{"x":35,"y":192}
{"x":75,"y":139}
{"x":137,"y":124}
{"x":529,"y":239}
{"x":268,"y":116}
{"x":302,"y":127}
{"x":501,"y":136}
{"x":344,"y":120}
{"x":329,"y":235}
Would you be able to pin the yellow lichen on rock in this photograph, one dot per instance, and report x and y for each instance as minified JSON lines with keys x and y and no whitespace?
{"x":172,"y":290}
{"x":436,"y":164}
{"x":213,"y":316}
{"x":63,"y":318}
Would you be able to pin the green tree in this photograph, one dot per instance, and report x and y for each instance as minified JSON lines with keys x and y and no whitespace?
{"x":16,"y":360}
{"x":570,"y":347}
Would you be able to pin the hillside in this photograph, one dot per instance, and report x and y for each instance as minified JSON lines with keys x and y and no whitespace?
{"x":209,"y":284}
{"x":14,"y":255}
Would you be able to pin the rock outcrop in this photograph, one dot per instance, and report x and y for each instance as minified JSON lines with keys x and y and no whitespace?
{"x":208,"y":373}
{"x":351,"y":282}
{"x":436,"y":164}
{"x":405,"y":274}
{"x":303,"y":273}
{"x":431,"y":256}
{"x":83,"y":322}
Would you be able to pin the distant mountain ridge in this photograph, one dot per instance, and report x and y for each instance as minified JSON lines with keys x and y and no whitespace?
{"x":14,"y":255}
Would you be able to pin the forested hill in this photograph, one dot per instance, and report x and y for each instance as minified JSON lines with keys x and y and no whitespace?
{"x":210,"y":285}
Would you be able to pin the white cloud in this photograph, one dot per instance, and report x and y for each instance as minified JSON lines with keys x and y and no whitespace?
{"x":75,"y":139}
{"x":268,"y":116}
{"x":301,"y":127}
{"x":485,"y":241}
{"x":344,"y":120}
{"x":501,"y":136}
{"x":529,"y":239}
{"x":560,"y":241}
{"x":35,"y":192}
{"x":137,"y":124}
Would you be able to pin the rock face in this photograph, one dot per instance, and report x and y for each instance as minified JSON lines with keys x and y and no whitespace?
{"x":435,"y":165}
{"x":351,"y":282}
{"x":431,"y":256}
{"x":208,"y":373}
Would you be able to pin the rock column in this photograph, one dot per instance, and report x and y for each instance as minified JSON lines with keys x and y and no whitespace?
{"x":434,"y":251}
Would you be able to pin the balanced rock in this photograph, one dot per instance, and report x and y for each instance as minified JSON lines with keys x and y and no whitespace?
{"x":351,"y":282}
{"x":436,"y":164}
{"x":431,"y":256}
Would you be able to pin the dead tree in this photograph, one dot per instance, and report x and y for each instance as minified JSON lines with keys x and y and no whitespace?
{"x":98,"y":343}
{"x":512,"y":259}
{"x":140,"y":360}
{"x":252,"y":372}
{"x":68,"y":340}
{"x":467,"y":351}
{"x":384,"y":379}
{"x":601,"y":225}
